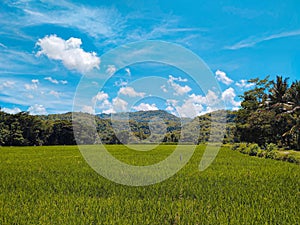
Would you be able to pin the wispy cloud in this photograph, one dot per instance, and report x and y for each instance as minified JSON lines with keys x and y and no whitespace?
{"x":94,"y":21}
{"x":2,"y":45}
{"x":252,"y":41}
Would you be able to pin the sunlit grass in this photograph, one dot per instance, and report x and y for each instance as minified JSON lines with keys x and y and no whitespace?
{"x":54,"y":185}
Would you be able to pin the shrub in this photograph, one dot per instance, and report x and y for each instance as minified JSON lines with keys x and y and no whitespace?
{"x":261,"y":153}
{"x":271,"y":154}
{"x":242,"y":147}
{"x":292,"y":159}
{"x":253,"y":149}
{"x":271,"y":147}
{"x":235,"y":146}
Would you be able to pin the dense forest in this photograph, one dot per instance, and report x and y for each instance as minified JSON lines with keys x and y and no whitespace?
{"x":269,"y":113}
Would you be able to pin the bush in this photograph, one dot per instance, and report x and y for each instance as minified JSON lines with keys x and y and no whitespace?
{"x":272,"y":154}
{"x":242,"y":147}
{"x":253,"y":149}
{"x":235,"y":146}
{"x":292,"y":159}
{"x":261,"y":153}
{"x":271,"y":147}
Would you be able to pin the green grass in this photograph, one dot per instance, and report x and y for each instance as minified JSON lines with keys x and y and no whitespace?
{"x":54,"y":185}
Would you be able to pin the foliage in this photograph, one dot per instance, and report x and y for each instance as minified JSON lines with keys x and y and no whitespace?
{"x":270,"y":113}
{"x":271,"y":152}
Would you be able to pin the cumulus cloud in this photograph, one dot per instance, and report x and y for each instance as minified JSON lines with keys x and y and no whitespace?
{"x":102,"y":101}
{"x":69,"y":52}
{"x":222,"y":77}
{"x":210,"y":99}
{"x":194,"y":105}
{"x":11,"y":111}
{"x":189,"y":108}
{"x":244,"y":84}
{"x":88,"y":109}
{"x":179,"y":90}
{"x":145,"y":107}
{"x":119,"y":104}
{"x":129,"y":91}
{"x":228,"y":97}
{"x":37,"y":110}
{"x":54,"y":81}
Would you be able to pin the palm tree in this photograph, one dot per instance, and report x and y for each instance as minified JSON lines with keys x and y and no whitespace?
{"x":277,"y":94}
{"x":292,"y":107}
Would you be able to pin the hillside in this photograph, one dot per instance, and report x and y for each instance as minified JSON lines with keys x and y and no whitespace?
{"x":147,"y":126}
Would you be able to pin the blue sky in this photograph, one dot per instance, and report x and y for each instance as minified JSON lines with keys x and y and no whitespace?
{"x":46,"y":47}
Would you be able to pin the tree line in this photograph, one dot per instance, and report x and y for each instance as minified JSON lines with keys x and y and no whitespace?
{"x":269,"y":113}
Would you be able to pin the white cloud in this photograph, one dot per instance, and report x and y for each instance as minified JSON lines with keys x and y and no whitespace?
{"x":69,"y":52}
{"x":210,"y":99}
{"x":54,"y":81}
{"x":111,"y":69}
{"x":171,"y":102}
{"x":119,"y":104}
{"x":228,"y":97}
{"x":128,"y":71}
{"x":170,"y":109}
{"x":108,"y":111}
{"x":11,"y":111}
{"x":194,"y":105}
{"x":88,"y":109}
{"x":163,"y":88}
{"x":8,"y":84}
{"x":244,"y":84}
{"x":37,"y":110}
{"x":101,"y":101}
{"x":63,"y":81}
{"x":100,"y":97}
{"x":179,"y":90}
{"x":222,"y":77}
{"x":178,"y":79}
{"x":189,"y":108}
{"x":129,"y":91}
{"x":145,"y":107}
{"x":32,"y":86}
{"x":54,"y":93}
{"x":121,"y":83}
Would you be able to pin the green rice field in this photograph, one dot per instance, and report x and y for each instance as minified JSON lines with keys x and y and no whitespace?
{"x":54,"y":185}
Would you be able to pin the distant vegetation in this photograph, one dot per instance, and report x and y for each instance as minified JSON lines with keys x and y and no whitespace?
{"x":269,"y":114}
